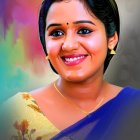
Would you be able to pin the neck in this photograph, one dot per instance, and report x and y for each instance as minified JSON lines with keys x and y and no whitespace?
{"x":89,"y":90}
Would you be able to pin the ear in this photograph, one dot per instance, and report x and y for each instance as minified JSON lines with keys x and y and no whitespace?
{"x":112,"y":41}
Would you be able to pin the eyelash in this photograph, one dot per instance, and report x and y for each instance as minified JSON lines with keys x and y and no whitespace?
{"x":53,"y":33}
{"x":88,"y":31}
{"x":58,"y":33}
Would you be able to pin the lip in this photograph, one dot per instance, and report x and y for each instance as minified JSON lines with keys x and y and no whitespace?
{"x":73,"y":59}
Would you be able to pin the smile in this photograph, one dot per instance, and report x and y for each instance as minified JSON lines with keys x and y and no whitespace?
{"x":74,"y":59}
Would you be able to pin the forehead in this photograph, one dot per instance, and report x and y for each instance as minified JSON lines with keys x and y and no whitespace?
{"x":68,"y":11}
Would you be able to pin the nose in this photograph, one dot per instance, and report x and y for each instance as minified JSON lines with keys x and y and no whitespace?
{"x":70,"y":43}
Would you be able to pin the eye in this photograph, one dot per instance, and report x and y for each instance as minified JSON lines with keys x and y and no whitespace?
{"x":56,"y":33}
{"x":84,"y":31}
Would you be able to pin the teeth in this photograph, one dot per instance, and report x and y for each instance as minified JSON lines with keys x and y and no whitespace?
{"x":73,"y":59}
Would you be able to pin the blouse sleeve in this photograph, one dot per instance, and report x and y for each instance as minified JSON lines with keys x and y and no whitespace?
{"x":22,"y":119}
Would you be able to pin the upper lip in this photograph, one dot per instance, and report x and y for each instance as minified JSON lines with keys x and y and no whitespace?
{"x":73,"y":55}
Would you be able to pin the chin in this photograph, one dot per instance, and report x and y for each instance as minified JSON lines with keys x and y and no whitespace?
{"x":75,"y":78}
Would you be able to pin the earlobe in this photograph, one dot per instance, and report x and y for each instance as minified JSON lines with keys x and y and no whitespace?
{"x":47,"y":57}
{"x":112,"y":41}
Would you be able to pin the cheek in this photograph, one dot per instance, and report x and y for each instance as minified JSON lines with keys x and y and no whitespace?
{"x":95,"y":44}
{"x":52,"y":47}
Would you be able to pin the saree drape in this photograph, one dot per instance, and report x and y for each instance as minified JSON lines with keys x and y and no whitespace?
{"x":118,"y":119}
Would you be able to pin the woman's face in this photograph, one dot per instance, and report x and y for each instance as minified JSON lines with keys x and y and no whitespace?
{"x":76,"y":42}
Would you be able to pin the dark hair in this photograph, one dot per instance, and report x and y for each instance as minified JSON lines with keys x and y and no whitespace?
{"x":105,"y":10}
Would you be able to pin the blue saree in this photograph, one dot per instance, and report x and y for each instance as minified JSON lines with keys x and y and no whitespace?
{"x":118,"y":119}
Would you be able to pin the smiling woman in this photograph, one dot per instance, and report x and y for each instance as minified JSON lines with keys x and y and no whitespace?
{"x":82,"y":42}
{"x":79,"y":38}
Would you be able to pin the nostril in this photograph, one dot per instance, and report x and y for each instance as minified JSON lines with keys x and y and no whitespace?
{"x":68,"y":46}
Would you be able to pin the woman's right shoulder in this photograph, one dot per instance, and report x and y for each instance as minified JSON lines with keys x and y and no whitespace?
{"x":20,"y":106}
{"x":17,"y":100}
{"x":22,"y":99}
{"x":21,"y":112}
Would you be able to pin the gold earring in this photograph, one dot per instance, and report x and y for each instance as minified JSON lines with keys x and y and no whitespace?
{"x":112,"y":52}
{"x":47,"y":57}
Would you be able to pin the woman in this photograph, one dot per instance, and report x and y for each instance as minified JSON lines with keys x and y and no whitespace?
{"x":79,"y":38}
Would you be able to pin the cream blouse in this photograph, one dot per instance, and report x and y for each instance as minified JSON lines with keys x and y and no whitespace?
{"x":23,"y":119}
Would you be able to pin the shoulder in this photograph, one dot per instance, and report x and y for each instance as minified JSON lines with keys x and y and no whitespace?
{"x":21,"y":104}
{"x":19,"y":100}
{"x":130,"y":99}
{"x":135,"y":95}
{"x":21,"y":113}
{"x":18,"y":97}
{"x":17,"y":111}
{"x":131,"y":92}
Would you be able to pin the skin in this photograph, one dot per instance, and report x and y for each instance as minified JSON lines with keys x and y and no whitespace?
{"x":81,"y":82}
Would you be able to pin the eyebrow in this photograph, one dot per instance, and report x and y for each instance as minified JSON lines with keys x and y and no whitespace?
{"x":76,"y":22}
{"x":54,"y":24}
{"x":84,"y":21}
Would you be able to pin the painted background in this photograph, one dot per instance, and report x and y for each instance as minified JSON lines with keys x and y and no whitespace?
{"x":22,"y":62}
{"x":124,"y":68}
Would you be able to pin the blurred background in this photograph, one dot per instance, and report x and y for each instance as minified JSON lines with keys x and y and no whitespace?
{"x":124,"y":68}
{"x":22,"y":61}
